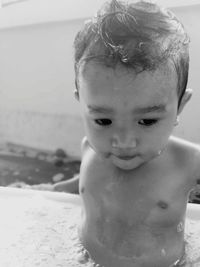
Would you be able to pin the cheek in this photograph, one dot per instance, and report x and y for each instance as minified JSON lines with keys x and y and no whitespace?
{"x":158,"y":138}
{"x":96,"y":136}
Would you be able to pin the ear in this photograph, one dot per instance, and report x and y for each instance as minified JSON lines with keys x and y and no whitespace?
{"x":186,"y":97}
{"x":76,"y":94}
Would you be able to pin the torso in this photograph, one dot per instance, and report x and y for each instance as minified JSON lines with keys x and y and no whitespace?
{"x":135,"y":218}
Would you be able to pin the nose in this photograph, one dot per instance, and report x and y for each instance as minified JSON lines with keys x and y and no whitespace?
{"x":124,"y":140}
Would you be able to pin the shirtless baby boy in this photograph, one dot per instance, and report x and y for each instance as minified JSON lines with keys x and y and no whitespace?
{"x":131,"y":65}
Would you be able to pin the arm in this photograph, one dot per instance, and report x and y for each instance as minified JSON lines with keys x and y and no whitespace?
{"x":194,"y":196}
{"x":70,"y":186}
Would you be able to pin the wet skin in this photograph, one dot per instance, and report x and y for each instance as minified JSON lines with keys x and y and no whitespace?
{"x":134,"y":178}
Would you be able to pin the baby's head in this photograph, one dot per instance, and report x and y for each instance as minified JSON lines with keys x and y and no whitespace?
{"x":138,"y":35}
{"x":131,"y":67}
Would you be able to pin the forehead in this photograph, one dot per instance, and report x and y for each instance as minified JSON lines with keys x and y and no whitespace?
{"x":98,"y":81}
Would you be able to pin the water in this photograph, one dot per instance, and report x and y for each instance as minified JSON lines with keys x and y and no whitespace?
{"x":41,"y":232}
{"x":192,"y":237}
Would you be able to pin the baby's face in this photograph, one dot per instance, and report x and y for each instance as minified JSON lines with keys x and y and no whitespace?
{"x":128,"y":117}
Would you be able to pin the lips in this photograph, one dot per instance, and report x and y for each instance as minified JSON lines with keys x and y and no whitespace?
{"x":125,"y":157}
{"x":126,"y":162}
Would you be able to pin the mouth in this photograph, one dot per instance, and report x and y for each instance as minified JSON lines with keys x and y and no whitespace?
{"x":125,"y":157}
{"x":126,"y":162}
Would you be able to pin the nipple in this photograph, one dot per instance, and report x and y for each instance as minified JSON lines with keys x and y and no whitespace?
{"x":163,"y":205}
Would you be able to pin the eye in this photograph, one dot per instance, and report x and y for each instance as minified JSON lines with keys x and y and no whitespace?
{"x":103,"y":122}
{"x":148,"y":122}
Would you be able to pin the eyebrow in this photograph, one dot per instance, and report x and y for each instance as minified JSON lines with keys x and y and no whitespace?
{"x":140,"y":110}
{"x":100,"y":109}
{"x":154,"y":108}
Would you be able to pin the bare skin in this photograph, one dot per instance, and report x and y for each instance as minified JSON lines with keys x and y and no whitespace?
{"x":135,"y":177}
{"x":136,"y":218}
{"x":134,"y":206}
{"x":69,"y":186}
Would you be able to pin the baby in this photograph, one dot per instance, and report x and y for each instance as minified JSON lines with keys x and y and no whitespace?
{"x":131,"y":67}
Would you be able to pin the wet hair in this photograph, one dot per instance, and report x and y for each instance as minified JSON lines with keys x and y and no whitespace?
{"x":139,"y":35}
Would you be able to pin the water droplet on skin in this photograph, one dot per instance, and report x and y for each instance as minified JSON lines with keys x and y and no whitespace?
{"x":180,"y":227}
{"x":163,"y":252}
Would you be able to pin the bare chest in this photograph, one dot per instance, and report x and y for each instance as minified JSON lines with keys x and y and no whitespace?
{"x":153,"y":197}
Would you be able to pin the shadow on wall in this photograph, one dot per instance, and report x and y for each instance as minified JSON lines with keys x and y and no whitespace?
{"x":41,"y":130}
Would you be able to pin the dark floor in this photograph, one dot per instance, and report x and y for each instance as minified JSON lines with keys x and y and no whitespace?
{"x":22,"y":165}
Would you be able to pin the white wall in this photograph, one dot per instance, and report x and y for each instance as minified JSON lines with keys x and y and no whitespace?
{"x":37,"y":107}
{"x":36,"y":64}
{"x":189,"y":127}
{"x":37,"y":76}
{"x":28,"y":12}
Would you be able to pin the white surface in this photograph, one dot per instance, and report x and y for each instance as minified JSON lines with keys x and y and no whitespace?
{"x":39,"y":11}
{"x":16,"y":193}
{"x":39,"y":229}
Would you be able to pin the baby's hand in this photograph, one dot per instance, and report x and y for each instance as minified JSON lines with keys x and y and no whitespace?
{"x":68,"y":186}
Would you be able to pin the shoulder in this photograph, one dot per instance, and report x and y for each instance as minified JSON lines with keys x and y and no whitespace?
{"x":187,"y":155}
{"x":84,"y":145}
{"x":93,"y":167}
{"x":88,"y":153}
{"x":183,"y":146}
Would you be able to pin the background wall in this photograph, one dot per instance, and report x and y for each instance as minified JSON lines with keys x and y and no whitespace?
{"x":189,"y":126}
{"x":36,"y":86}
{"x":37,"y":107}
